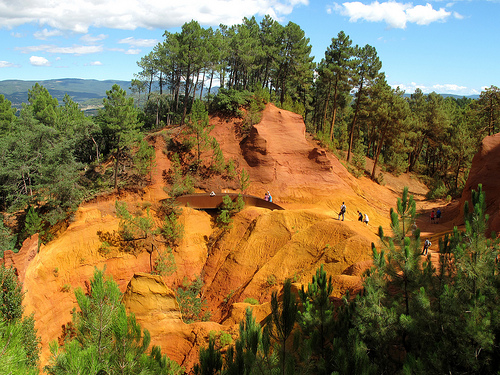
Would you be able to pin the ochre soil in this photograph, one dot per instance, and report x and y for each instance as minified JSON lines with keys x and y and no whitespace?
{"x":250,"y":260}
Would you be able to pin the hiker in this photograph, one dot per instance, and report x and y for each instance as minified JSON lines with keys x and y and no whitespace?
{"x":414,"y":229}
{"x":427,"y":244}
{"x":270,"y":198}
{"x":366,"y":220}
{"x":360,"y":216}
{"x":212,"y":193}
{"x":266,"y":197}
{"x":432,"y":217}
{"x":342,"y":211}
{"x":438,"y":215}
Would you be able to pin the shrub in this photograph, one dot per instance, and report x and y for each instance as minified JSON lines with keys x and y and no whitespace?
{"x":229,"y":101}
{"x":190,"y":302}
{"x":437,"y":190}
{"x":251,"y":301}
{"x":165,"y":263}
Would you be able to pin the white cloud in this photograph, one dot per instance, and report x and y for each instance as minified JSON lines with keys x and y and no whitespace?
{"x":90,"y":39}
{"x":95,"y":63}
{"x":450,"y":88}
{"x":6,"y":64}
{"x":424,"y":15}
{"x":394,"y":14}
{"x":39,"y":61}
{"x":454,"y":89}
{"x":75,"y":49}
{"x":138,"y":42}
{"x":78,"y":16}
{"x":132,"y":51}
{"x":44,"y":34}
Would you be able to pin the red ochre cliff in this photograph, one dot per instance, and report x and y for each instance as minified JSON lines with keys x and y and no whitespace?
{"x":251,"y":260}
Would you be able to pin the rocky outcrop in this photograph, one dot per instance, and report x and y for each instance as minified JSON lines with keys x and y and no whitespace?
{"x":484,"y":170}
{"x":249,"y":260}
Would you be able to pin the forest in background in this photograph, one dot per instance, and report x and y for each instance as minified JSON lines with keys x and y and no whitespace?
{"x":53,"y":157}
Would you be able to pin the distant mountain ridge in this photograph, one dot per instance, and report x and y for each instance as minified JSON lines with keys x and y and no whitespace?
{"x":84,"y":90}
{"x":80,"y":90}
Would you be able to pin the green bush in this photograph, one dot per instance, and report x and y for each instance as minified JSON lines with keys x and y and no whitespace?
{"x":251,"y":301}
{"x":437,"y":190}
{"x":190,"y":302}
{"x":229,"y":101}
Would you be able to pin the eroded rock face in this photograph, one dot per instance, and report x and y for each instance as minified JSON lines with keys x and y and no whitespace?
{"x":156,"y":309}
{"x":265,"y":247}
{"x":277,"y":150}
{"x":251,"y":260}
{"x":485,"y":170}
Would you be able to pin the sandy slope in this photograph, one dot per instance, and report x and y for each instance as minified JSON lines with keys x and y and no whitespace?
{"x":250,"y":260}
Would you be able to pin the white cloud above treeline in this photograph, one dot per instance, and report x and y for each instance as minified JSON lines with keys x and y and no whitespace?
{"x":39,"y":61}
{"x":78,"y":16}
{"x":446,"y":88}
{"x":395,"y":14}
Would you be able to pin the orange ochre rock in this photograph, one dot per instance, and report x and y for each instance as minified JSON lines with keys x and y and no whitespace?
{"x":248,"y":261}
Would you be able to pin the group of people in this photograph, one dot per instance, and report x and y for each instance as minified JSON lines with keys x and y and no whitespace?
{"x":363,"y":218}
{"x":435,"y":216}
{"x":268,"y":197}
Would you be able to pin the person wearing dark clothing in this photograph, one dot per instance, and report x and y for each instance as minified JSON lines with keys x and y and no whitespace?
{"x":360,"y":216}
{"x":438,"y":215}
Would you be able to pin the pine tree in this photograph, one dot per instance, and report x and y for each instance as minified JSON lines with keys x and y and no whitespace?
{"x":316,"y":321}
{"x":283,"y":318}
{"x":119,"y":123}
{"x":107,"y":339}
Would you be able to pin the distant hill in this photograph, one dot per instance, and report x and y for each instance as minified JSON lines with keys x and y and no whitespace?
{"x":80,"y":90}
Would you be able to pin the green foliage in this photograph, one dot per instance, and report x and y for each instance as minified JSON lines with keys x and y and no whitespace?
{"x":198,"y":129}
{"x":210,"y":360}
{"x":14,"y":358}
{"x":437,"y":190}
{"x":190,"y":300}
{"x":284,"y":315}
{"x":33,"y":223}
{"x":11,"y":295}
{"x":120,"y":125}
{"x":107,"y":340}
{"x":251,"y":301}
{"x":229,"y":101}
{"x":180,"y":184}
{"x":172,"y":230}
{"x":165,"y":263}
{"x":244,"y":180}
{"x":317,"y":321}
{"x":133,"y":227}
{"x":18,"y":336}
{"x":228,"y":209}
{"x":218,"y":163}
{"x":144,"y":159}
{"x":7,"y":239}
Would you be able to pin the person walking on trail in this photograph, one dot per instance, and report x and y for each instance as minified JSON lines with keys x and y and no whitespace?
{"x":266,"y":197}
{"x":342,"y":211}
{"x":438,"y":215}
{"x":427,"y":244}
{"x":360,"y":216}
{"x":433,"y":215}
{"x":366,"y":220}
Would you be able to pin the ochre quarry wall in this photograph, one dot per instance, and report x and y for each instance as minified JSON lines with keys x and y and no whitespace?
{"x":485,"y":170}
{"x":251,"y":259}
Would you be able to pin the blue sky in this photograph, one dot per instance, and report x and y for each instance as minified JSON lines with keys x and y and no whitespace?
{"x":446,"y":47}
